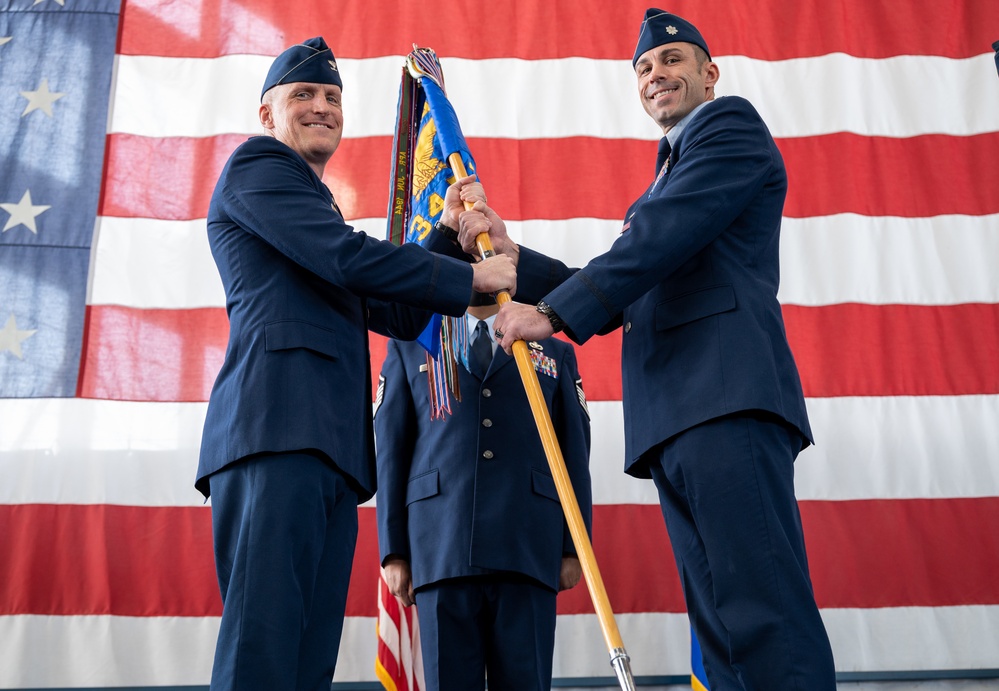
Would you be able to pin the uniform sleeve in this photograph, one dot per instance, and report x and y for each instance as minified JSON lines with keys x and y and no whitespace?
{"x":395,"y":433}
{"x":726,"y":160}
{"x":538,"y":275}
{"x":572,"y":427}
{"x":437,"y":243}
{"x":396,"y":321}
{"x":271,"y":193}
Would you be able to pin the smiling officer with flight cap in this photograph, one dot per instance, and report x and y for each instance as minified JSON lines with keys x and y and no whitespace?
{"x":288,"y":449}
{"x":713,"y":406}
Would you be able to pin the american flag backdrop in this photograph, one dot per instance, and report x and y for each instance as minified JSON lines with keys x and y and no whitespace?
{"x":115,"y":122}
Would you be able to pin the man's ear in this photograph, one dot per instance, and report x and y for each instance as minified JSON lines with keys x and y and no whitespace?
{"x":266,"y":116}
{"x":712,"y":74}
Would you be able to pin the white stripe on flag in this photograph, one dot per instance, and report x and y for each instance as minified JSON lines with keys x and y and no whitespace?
{"x":887,"y":97}
{"x":145,"y":454}
{"x":942,"y":260}
{"x":98,"y":651}
{"x":151,"y":263}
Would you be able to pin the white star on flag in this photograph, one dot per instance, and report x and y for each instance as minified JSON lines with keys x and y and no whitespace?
{"x":23,"y":213}
{"x":61,"y":3}
{"x":5,"y":39}
{"x":11,"y":337}
{"x":41,"y":99}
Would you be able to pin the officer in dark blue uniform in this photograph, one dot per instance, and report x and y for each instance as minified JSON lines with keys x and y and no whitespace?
{"x":468,"y":514}
{"x":713,"y":405}
{"x":288,"y":448}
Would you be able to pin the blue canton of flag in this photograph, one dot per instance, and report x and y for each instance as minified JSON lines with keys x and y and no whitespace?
{"x":55,"y":77}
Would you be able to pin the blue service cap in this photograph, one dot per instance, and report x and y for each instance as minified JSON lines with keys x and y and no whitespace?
{"x":660,"y":27}
{"x":309,"y":61}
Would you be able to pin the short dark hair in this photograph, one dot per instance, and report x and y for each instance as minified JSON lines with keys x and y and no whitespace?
{"x":701,"y":55}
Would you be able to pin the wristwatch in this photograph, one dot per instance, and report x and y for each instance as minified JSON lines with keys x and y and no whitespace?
{"x":553,"y":319}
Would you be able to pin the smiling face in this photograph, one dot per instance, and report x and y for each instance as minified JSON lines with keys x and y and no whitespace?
{"x":307,"y":117}
{"x":673,"y":79}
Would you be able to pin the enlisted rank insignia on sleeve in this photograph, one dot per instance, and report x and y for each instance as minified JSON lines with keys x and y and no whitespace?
{"x":582,"y":397}
{"x":544,"y":364}
{"x":534,"y":345}
{"x":379,"y":395}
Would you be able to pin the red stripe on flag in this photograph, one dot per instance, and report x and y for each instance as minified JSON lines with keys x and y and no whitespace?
{"x":911,"y":177}
{"x":895,"y":350}
{"x":922,"y":552}
{"x":857,"y":556}
{"x":841,"y":350}
{"x":105,"y":559}
{"x":132,"y":561}
{"x":152,"y":354}
{"x":140,"y":190}
{"x":887,"y":176}
{"x":137,"y":184}
{"x":791,"y":29}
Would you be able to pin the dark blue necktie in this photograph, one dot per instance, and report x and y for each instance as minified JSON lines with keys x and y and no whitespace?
{"x":662,"y":161}
{"x":663,"y":154}
{"x":482,"y":349}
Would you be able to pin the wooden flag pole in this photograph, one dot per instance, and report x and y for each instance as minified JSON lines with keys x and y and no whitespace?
{"x":570,"y":507}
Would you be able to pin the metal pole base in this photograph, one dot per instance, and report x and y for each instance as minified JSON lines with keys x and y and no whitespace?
{"x":622,"y":667}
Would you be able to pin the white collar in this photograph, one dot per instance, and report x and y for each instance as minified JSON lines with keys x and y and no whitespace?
{"x":471,"y":322}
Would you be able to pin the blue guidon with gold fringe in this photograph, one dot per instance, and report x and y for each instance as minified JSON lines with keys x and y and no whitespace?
{"x":426,"y":134}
